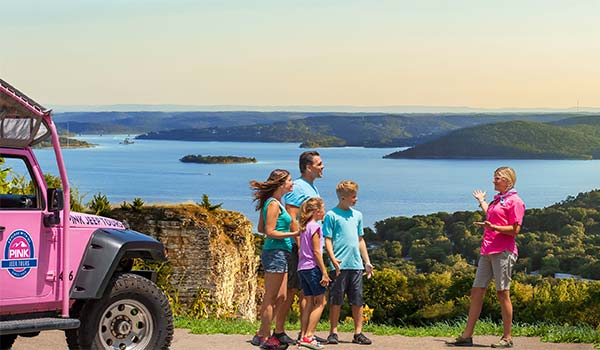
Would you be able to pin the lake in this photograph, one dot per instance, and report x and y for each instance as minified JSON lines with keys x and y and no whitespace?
{"x":151,"y":170}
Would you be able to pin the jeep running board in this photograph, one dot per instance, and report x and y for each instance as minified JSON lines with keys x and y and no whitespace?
{"x":37,"y":324}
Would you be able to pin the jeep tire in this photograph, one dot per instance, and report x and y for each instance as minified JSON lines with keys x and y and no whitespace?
{"x":133,"y":314}
{"x":7,"y":341}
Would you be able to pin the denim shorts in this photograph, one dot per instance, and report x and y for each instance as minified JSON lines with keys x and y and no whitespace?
{"x":350,"y":283}
{"x":275,"y":260}
{"x":311,"y":282}
{"x":497,"y":266}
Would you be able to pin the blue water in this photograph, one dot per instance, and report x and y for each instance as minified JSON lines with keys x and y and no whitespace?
{"x":151,"y":170}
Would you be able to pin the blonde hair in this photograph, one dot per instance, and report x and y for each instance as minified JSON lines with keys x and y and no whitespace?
{"x":307,"y":210}
{"x":508,"y":174}
{"x":346,"y":187}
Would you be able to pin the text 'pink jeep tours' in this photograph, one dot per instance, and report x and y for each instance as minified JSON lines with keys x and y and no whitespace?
{"x":63,"y":270}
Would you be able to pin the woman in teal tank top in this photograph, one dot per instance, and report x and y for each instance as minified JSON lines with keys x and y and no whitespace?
{"x":282,"y":224}
{"x":275,"y":222}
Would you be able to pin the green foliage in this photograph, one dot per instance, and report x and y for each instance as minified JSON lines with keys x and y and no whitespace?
{"x":425,"y":266}
{"x":65,"y":142}
{"x":100,"y":205}
{"x":562,"y":238}
{"x":417,"y":298}
{"x":137,"y":204}
{"x":206,"y":204}
{"x":76,"y":198}
{"x":514,"y":139}
{"x":387,"y":293}
{"x":20,"y":185}
{"x":548,"y":332}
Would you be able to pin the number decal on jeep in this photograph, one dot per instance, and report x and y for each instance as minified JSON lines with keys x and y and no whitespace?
{"x":19,"y":254}
{"x":60,"y":277}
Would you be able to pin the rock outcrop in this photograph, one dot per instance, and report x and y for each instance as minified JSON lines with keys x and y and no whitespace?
{"x":211,"y":257}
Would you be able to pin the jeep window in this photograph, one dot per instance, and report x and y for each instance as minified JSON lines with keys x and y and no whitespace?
{"x":18,"y":189}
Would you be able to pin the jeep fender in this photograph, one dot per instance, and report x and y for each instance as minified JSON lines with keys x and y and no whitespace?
{"x":105,"y":250}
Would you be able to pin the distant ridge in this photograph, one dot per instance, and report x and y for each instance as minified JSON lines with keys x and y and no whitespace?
{"x":332,"y":108}
{"x":334,"y":130}
{"x":513,"y":140}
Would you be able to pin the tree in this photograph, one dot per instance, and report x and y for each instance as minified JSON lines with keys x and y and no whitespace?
{"x":206,"y":204}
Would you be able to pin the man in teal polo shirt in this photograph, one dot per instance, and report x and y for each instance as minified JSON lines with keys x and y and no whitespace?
{"x":311,"y":168}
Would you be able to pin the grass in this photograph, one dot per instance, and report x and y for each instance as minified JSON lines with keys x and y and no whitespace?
{"x":552,"y":333}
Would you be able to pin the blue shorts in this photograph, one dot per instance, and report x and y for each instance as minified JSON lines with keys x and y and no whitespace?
{"x":350,"y":283}
{"x":311,"y":282}
{"x":275,"y":260}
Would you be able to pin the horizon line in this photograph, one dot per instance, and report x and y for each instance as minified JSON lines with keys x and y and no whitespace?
{"x":123,"y":107}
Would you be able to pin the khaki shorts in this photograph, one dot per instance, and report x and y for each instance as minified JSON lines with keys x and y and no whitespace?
{"x":498,"y":266}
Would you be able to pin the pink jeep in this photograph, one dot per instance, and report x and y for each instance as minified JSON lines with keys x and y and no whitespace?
{"x":63,"y":270}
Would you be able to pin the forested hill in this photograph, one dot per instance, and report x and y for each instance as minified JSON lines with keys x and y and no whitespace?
{"x":348,"y":130}
{"x":564,"y":237}
{"x":573,"y":138}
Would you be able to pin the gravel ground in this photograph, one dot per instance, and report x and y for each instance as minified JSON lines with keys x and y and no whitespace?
{"x":183,"y":340}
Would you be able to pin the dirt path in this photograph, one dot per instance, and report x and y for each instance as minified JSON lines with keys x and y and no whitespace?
{"x":54,"y":340}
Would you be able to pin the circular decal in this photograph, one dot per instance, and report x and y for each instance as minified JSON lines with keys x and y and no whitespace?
{"x":19,"y":254}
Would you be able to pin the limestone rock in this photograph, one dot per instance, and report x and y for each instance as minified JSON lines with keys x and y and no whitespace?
{"x":210,"y":253}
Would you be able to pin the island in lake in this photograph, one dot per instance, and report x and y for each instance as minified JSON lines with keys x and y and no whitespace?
{"x":190,"y":158}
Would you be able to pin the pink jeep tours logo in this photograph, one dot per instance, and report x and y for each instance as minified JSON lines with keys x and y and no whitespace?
{"x":19,"y":254}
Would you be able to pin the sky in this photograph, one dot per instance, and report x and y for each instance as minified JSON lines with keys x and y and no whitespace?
{"x":483,"y":54}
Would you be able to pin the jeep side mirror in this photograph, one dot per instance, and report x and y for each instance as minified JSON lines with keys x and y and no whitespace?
{"x":56,"y":201}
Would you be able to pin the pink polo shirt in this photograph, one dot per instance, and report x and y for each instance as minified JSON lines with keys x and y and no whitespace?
{"x":506,"y":209}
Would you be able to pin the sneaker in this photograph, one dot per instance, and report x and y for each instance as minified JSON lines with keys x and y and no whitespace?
{"x":320,"y":340}
{"x":460,"y":341}
{"x":257,"y":340}
{"x":310,"y":343}
{"x":273,"y":344}
{"x":333,"y":339}
{"x":503,"y":343}
{"x":284,"y":338}
{"x":317,"y":338}
{"x":361,"y":339}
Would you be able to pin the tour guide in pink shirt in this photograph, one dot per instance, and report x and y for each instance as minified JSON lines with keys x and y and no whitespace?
{"x":504,"y":217}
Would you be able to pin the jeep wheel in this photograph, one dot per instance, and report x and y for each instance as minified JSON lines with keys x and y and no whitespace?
{"x":7,"y":341}
{"x":133,"y":314}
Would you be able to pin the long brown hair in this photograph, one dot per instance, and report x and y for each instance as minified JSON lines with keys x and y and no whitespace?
{"x":264,"y":190}
{"x":307,"y":210}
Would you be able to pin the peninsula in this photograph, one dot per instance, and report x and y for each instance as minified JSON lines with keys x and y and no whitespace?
{"x":66,"y":142}
{"x":513,"y":140}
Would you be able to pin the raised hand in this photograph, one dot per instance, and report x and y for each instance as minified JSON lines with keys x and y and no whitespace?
{"x":479,"y":195}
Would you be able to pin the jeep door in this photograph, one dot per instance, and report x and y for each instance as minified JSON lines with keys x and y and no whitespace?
{"x":27,"y":248}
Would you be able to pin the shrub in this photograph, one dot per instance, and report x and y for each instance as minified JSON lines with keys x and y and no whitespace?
{"x":100,"y":205}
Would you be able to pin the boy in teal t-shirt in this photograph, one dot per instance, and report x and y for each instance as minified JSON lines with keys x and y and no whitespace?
{"x":346,"y":247}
